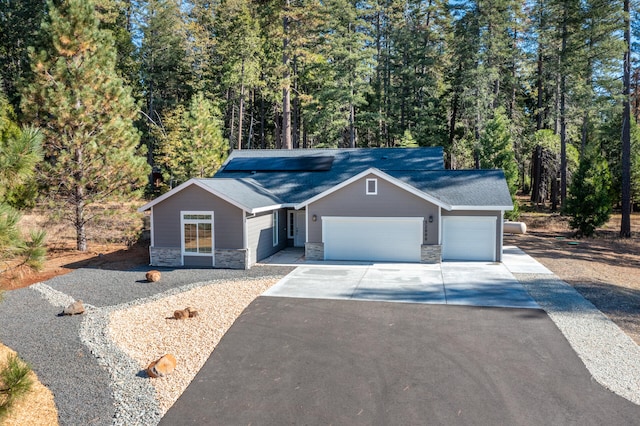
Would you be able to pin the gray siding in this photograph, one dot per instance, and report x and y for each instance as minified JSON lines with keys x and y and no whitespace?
{"x":227,"y":219}
{"x":390,"y":201}
{"x":497,"y":214}
{"x":260,"y":235}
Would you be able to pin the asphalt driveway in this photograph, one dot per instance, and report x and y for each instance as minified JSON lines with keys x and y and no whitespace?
{"x":314,"y":361}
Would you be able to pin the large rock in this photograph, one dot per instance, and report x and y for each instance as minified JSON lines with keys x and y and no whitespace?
{"x":161,"y":367}
{"x":75,"y":308}
{"x":153,"y":276}
{"x":185,"y":313}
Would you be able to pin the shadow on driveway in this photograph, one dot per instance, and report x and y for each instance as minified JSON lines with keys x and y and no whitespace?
{"x":304,"y":361}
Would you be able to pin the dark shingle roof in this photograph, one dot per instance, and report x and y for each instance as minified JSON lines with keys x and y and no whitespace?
{"x":245,"y":192}
{"x":422,"y":168}
{"x":458,"y":188}
{"x":296,"y":187}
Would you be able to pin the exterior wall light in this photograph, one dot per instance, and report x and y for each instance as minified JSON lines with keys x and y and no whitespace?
{"x":430,"y":219}
{"x":314,"y":218}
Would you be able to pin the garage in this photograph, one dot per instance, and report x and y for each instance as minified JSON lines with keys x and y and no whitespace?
{"x":469,"y":238}
{"x":389,"y":239}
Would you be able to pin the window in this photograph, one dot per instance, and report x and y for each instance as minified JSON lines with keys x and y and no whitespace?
{"x":372,"y":186}
{"x":275,"y":228}
{"x":197,"y":233}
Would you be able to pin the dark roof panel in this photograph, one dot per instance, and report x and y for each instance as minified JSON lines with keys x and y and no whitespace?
{"x":320,"y":163}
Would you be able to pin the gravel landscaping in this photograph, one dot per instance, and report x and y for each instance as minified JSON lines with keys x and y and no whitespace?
{"x":94,"y":380}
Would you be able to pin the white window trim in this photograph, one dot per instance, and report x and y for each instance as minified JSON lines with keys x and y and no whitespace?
{"x":375,"y":187}
{"x":291,"y":224}
{"x":275,"y":222}
{"x":184,"y":221}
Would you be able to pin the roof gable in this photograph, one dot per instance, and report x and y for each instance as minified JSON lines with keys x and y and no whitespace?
{"x":245,"y":194}
{"x":381,"y":175}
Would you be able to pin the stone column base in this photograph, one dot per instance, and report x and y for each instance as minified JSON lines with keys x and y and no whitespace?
{"x":314,"y":251}
{"x":430,"y":254}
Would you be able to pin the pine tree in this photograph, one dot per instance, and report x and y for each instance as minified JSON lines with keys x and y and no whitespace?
{"x":20,"y":152}
{"x":589,"y":203}
{"x":192,"y":143}
{"x":86,"y":114}
{"x":238,"y":45}
{"x":496,"y":152}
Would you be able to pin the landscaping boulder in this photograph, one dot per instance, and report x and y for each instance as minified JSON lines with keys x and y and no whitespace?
{"x":153,"y":276}
{"x":162,"y":366}
{"x":75,"y":308}
{"x":185,"y":313}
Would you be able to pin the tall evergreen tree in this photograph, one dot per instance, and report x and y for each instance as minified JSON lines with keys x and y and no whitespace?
{"x":20,"y":153}
{"x":625,"y":225}
{"x":192,"y":143}
{"x":86,"y":114}
{"x":239,"y":49}
{"x":166,"y":71}
{"x":589,"y":204}
{"x":19,"y":29}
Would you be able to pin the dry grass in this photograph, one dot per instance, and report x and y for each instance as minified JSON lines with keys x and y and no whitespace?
{"x":113,"y":223}
{"x":36,"y":407}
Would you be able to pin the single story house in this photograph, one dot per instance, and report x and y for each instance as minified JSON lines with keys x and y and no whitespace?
{"x":371,"y":204}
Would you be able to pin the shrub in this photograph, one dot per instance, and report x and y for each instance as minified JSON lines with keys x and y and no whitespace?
{"x":14,"y":383}
{"x":589,"y":202}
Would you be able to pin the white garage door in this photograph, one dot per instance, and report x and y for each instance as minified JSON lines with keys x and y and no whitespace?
{"x":469,"y":238}
{"x":372,"y":238}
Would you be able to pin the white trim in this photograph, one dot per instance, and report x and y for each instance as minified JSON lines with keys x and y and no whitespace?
{"x":210,"y":190}
{"x":245,"y":232}
{"x":501,"y":239}
{"x":306,"y":226}
{"x":375,"y":187}
{"x":482,"y":208}
{"x":381,"y":175}
{"x":273,"y":207}
{"x":275,"y":224}
{"x":439,"y":226}
{"x":153,"y":237}
{"x":183,"y":253}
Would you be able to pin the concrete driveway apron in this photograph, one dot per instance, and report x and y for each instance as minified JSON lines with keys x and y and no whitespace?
{"x":458,"y":283}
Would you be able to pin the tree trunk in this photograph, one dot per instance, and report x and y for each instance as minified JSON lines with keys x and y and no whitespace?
{"x":241,"y":107}
{"x":563,"y":120}
{"x":79,"y":202}
{"x":263,"y":135}
{"x":540,"y":88}
{"x":625,"y":224}
{"x":286,"y":88}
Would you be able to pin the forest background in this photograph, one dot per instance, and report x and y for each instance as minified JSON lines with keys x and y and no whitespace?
{"x":535,"y":87}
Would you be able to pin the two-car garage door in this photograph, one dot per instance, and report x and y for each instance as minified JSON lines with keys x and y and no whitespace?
{"x":372,"y":238}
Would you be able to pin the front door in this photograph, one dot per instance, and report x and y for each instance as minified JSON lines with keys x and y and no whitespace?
{"x":299,"y":229}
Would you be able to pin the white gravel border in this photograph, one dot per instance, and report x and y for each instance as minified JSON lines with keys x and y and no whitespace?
{"x":136,"y":397}
{"x":612,"y":357}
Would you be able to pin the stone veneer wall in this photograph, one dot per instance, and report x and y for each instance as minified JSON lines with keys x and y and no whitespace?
{"x":164,"y":256}
{"x":225,"y":258}
{"x":232,"y":258}
{"x":314,"y":251}
{"x":430,"y":254}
